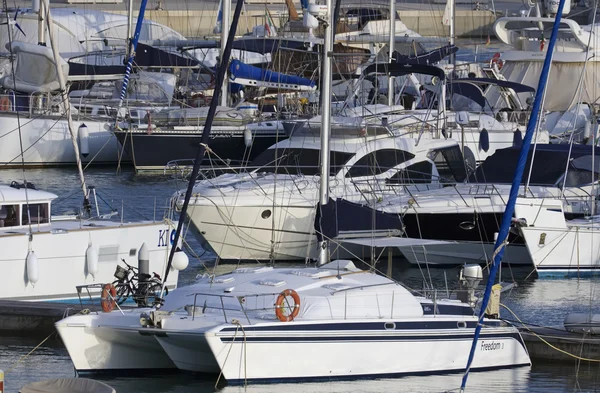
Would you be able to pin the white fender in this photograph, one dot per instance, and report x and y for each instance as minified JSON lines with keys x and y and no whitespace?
{"x":91,"y":260}
{"x":247,"y":137}
{"x":33,"y":269}
{"x":84,"y":140}
{"x":180,"y":260}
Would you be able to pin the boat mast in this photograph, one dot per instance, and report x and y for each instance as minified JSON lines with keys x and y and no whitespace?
{"x":514,"y":190}
{"x":212,"y":109}
{"x":129,"y":24}
{"x":45,"y":6}
{"x":391,"y":79}
{"x":131,"y":55}
{"x":325,"y":120}
{"x":226,"y":17}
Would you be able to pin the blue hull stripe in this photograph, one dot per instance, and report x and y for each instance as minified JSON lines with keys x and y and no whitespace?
{"x":390,"y":338}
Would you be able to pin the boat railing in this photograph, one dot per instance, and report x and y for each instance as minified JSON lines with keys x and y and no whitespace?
{"x":243,"y":301}
{"x":90,"y":297}
{"x":366,"y":302}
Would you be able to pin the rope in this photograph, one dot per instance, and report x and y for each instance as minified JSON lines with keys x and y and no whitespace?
{"x":227,"y":356}
{"x":546,"y":342}
{"x":30,"y":352}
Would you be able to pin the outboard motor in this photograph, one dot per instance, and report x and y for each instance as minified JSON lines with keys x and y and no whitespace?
{"x":469,"y":278}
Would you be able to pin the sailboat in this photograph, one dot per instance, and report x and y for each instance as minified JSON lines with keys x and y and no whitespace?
{"x":46,"y":257}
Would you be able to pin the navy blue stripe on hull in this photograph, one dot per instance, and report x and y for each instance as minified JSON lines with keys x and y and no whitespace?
{"x":356,"y":338}
{"x":368,"y":376}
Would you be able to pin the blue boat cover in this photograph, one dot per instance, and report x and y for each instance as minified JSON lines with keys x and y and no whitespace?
{"x":237,"y":69}
{"x":399,"y":69}
{"x":342,"y":215}
{"x":430,"y":57}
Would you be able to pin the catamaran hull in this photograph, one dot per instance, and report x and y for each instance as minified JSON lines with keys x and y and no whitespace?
{"x":62,"y":263}
{"x":47,"y":141}
{"x":111,"y":342}
{"x":342,"y":350}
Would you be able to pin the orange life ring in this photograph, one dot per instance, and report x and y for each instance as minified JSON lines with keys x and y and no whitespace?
{"x":5,"y":104}
{"x":496,"y":60}
{"x":107,"y":297}
{"x":280,"y":306}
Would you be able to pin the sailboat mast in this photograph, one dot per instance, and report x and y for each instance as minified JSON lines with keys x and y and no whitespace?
{"x":45,"y":6}
{"x":129,"y":25}
{"x":131,"y":55}
{"x":325,"y":120}
{"x":514,"y":189}
{"x":391,"y":45}
{"x":452,"y":29}
{"x":212,"y":109}
{"x":226,"y":17}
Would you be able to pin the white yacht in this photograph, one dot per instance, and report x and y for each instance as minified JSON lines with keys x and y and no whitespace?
{"x":468,"y":216}
{"x":45,"y":257}
{"x":268,"y":213}
{"x":574,"y":62}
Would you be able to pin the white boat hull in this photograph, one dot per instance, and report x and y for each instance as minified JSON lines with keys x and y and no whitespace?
{"x":286,"y":234}
{"x":270,"y":353}
{"x":571,"y":251}
{"x":111,"y":342}
{"x":61,"y":256}
{"x":458,"y":253}
{"x":47,"y":141}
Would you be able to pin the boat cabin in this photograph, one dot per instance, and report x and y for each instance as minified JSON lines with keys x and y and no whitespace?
{"x":22,"y":205}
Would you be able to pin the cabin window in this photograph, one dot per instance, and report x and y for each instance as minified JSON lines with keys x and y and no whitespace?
{"x":415,"y":173}
{"x":296,"y":161}
{"x":9,"y":216}
{"x":378,"y":162}
{"x":450,"y":165}
{"x":38,"y":213}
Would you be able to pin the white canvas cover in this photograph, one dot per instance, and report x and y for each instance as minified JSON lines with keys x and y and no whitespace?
{"x":67,"y":385}
{"x":35,"y":70}
{"x":561,"y":93}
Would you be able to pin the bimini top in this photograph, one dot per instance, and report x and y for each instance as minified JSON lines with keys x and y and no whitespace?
{"x":517,"y":87}
{"x":15,"y":193}
{"x":399,"y":69}
{"x":549,"y":165}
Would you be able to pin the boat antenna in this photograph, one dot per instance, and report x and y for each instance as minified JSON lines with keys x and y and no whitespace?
{"x":66,"y":102}
{"x":212,"y":109}
{"x":13,"y":71}
{"x":514,"y":190}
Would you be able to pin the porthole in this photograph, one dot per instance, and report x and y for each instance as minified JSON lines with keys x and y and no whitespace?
{"x":266,"y":214}
{"x":467,"y":225}
{"x":461,"y":325}
{"x":389,"y":325}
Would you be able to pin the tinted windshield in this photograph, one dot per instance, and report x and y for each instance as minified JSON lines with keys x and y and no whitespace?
{"x":296,"y":161}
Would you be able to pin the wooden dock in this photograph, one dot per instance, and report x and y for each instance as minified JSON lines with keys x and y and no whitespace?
{"x":20,"y":317}
{"x":558,"y":344}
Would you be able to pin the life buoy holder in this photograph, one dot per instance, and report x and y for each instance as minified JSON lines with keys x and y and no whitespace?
{"x":5,"y":104}
{"x":280,"y":305}
{"x":107,"y":297}
{"x":497,"y":61}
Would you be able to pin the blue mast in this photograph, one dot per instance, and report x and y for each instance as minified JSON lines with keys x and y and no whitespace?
{"x":134,"y":42}
{"x":514,"y":190}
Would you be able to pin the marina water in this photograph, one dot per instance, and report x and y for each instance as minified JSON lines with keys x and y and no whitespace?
{"x":541,"y":302}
